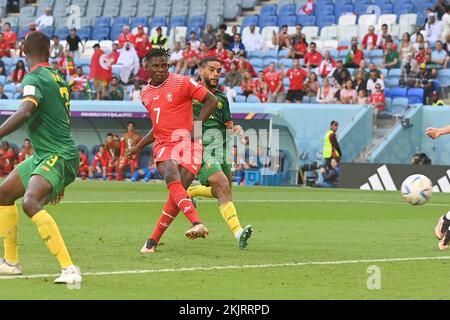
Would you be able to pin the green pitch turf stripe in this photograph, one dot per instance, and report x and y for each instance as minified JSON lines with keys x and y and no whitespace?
{"x":234,"y":267}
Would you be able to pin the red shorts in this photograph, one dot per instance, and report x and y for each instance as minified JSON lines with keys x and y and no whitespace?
{"x":84,"y":168}
{"x":186,"y":153}
{"x":124,"y":161}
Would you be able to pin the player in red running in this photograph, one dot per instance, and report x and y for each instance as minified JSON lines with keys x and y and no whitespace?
{"x":168,"y":99}
{"x":101,"y":157}
{"x":128,"y":140}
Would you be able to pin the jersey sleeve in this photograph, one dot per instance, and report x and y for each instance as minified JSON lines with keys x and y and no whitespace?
{"x":227,"y":119}
{"x":32,"y":90}
{"x":193,"y":90}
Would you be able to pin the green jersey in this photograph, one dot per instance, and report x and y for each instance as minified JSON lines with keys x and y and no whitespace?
{"x":49,"y":126}
{"x":220,"y":118}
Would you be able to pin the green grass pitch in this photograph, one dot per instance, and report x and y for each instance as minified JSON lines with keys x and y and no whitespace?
{"x":307,"y":244}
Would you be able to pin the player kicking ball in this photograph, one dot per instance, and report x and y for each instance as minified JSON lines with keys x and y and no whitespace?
{"x":215,"y":174}
{"x":168,"y":99}
{"x":442,"y":230}
{"x":40,"y":179}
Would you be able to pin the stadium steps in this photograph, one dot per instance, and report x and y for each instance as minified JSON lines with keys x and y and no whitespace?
{"x":384,"y":126}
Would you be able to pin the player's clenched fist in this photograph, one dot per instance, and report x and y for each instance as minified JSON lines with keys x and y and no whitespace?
{"x":433,"y":133}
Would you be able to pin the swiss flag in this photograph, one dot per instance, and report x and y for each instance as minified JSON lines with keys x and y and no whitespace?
{"x":100,"y":66}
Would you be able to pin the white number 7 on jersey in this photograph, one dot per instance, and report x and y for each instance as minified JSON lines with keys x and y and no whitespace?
{"x":158,"y":111}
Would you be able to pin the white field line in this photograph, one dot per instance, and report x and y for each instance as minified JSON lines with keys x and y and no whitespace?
{"x":255,"y":201}
{"x":235,"y":267}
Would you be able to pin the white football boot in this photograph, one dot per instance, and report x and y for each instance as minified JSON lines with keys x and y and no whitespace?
{"x":10,"y":270}
{"x":70,"y":275}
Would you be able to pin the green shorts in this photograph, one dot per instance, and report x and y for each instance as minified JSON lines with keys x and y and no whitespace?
{"x":59,"y":172}
{"x":212,"y":164}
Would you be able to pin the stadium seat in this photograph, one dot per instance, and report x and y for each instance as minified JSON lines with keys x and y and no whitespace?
{"x":347,"y":32}
{"x":177,"y":21}
{"x":415,"y":95}
{"x":120,"y":21}
{"x":159,"y":21}
{"x":102,"y":33}
{"x":268,"y":10}
{"x":399,"y":92}
{"x":63,"y":33}
{"x":399,"y":106}
{"x":366,"y":20}
{"x":240,"y":98}
{"x":325,"y":20}
{"x":249,"y":20}
{"x":265,"y":21}
{"x":253,"y":99}
{"x":287,"y":10}
{"x":102,"y":22}
{"x":270,"y":54}
{"x":11,"y":87}
{"x":347,"y":20}
{"x":287,"y":20}
{"x":306,"y":20}
{"x":139,"y":20}
{"x":85,"y":32}
{"x":386,"y":8}
{"x":256,"y":62}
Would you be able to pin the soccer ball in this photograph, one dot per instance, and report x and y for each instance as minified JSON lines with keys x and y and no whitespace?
{"x":417,"y":189}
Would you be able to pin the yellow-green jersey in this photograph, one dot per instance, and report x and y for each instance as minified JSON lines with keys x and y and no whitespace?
{"x":49,"y":126}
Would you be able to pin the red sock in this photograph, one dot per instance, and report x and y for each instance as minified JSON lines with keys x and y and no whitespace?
{"x":180,"y":196}
{"x":168,"y":214}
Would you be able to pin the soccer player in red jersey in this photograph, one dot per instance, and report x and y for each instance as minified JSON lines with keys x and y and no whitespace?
{"x":112,"y":146}
{"x":7,"y":158}
{"x":83,"y":170}
{"x":296,"y":77}
{"x":128,"y":140}
{"x":168,"y":99}
{"x":102,"y":157}
{"x":26,"y":151}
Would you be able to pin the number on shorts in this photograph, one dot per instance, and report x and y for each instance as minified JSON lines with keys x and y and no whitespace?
{"x":52,"y":162}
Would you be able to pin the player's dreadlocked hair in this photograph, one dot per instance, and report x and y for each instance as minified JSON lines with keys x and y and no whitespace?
{"x":157,"y":52}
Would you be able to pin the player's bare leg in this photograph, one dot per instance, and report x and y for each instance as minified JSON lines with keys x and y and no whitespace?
{"x":10,"y":190}
{"x":38,"y":194}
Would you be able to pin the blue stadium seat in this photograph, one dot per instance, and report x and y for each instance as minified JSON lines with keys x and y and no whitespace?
{"x":325,"y":21}
{"x":63,"y":33}
{"x":287,"y":10}
{"x":102,"y":22}
{"x":256,"y":62}
{"x":249,"y":20}
{"x":120,"y":21}
{"x":240,"y":98}
{"x":139,"y":20}
{"x":377,"y":53}
{"x":268,"y":10}
{"x":177,"y":21}
{"x":286,"y":82}
{"x":101,"y":33}
{"x":268,"y":61}
{"x":342,"y":2}
{"x":48,"y":32}
{"x":160,"y":21}
{"x":399,"y":105}
{"x":255,"y":54}
{"x":399,"y":92}
{"x":361,"y":8}
{"x":415,"y":95}
{"x":327,"y":9}
{"x":85,"y":32}
{"x":287,"y":20}
{"x":11,"y":87}
{"x":387,"y":8}
{"x":287,"y":63}
{"x":306,"y":20}
{"x":270,"y":54}
{"x":267,"y":21}
{"x":394,"y":72}
{"x":9,"y":94}
{"x":283,"y":53}
{"x":403,"y":8}
{"x":306,"y":99}
{"x":253,"y":99}
{"x":114,"y":32}
{"x":344,"y":8}
{"x":444,"y":77}
{"x":2,"y":80}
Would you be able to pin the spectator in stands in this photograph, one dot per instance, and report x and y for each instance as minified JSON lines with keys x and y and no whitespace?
{"x":446,"y":46}
{"x":260,"y":88}
{"x":126,"y":36}
{"x":354,"y":55}
{"x":299,"y":47}
{"x":424,"y":80}
{"x":274,"y":81}
{"x":377,"y":100}
{"x":135,"y":94}
{"x":221,"y":52}
{"x":381,"y":38}
{"x":296,"y":76}
{"x":237,"y":46}
{"x":328,"y":176}
{"x":370,"y":39}
{"x":348,"y":94}
{"x":230,"y":60}
{"x":420,"y":43}
{"x":446,"y":23}
{"x":10,"y":36}
{"x":209,"y":37}
{"x":31,"y":29}
{"x":362,"y":97}
{"x":195,"y":43}
{"x":247,"y":85}
{"x":339,"y":71}
{"x":361,"y":68}
{"x":253,"y":40}
{"x":420,"y":56}
{"x":46,"y":20}
{"x":115,"y":90}
{"x":312,"y":85}
{"x":433,"y":28}
{"x":435,"y":100}
{"x":4,"y":47}
{"x":327,"y":66}
{"x":406,"y":48}
{"x":73,"y":42}
{"x":129,"y":62}
{"x":282,"y":39}
{"x":142,"y":75}
{"x":2,"y":68}
{"x":244,"y":65}
{"x":203,"y":53}
{"x":66,"y":64}
{"x":26,"y":151}
{"x":223,"y":36}
{"x":114,"y":54}
{"x":373,"y":67}
{"x":307,"y":8}
{"x":19,"y":72}
{"x":440,"y":8}
{"x":144,"y":46}
{"x":360,"y":81}
{"x":159,"y":40}
{"x":407,"y":76}
{"x":97,"y":73}
{"x":140,"y":34}
{"x":313,"y":58}
{"x":79,"y":85}
{"x":7,"y":159}
{"x":234,"y":77}
{"x":391,"y":57}
{"x":190,"y":59}
{"x":439,"y":56}
{"x":326,"y":93}
{"x":176,"y":58}
{"x":2,"y":93}
{"x":298,"y":35}
{"x":374,"y":79}
{"x":56,"y":49}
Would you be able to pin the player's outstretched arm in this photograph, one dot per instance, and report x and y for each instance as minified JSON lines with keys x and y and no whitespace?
{"x":19,"y":117}
{"x":435,"y":133}
{"x":145,"y":141}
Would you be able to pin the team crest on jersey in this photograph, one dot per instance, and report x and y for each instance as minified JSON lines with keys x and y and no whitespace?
{"x":219,"y":105}
{"x":169,"y":97}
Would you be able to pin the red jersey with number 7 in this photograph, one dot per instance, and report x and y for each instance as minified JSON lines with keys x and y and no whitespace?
{"x":170,"y":105}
